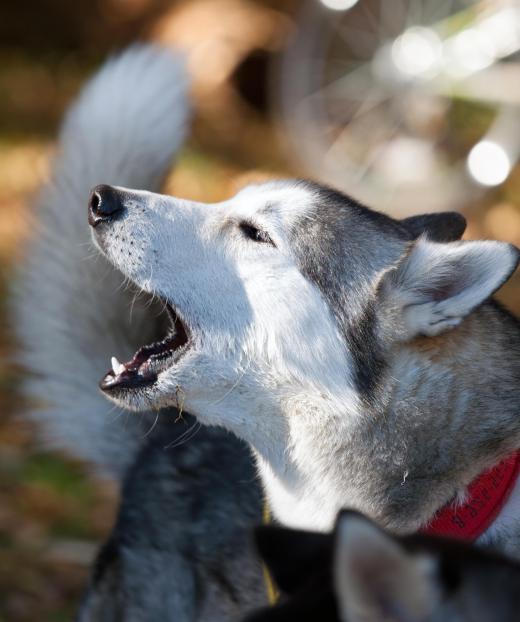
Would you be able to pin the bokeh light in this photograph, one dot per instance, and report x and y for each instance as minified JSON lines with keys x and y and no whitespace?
{"x":489,"y":163}
{"x":339,"y":5}
{"x":417,"y":52}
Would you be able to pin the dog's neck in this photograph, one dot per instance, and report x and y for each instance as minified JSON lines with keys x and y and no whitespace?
{"x":410,"y":449}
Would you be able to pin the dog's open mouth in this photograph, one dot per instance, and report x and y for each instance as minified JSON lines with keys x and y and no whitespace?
{"x":150,"y":360}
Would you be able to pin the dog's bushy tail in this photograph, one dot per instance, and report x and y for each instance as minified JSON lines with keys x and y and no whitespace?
{"x":71,"y":309}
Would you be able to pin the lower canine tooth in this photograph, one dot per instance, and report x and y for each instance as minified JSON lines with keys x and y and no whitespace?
{"x":117,"y":367}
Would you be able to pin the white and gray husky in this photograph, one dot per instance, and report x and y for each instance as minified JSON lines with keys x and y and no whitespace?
{"x":360,"y":357}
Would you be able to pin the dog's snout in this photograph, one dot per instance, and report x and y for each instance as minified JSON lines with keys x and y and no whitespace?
{"x":105,"y":204}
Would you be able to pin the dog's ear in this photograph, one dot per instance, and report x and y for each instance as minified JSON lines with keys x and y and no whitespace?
{"x":293,"y":556}
{"x":376,"y":578}
{"x":434,"y":286}
{"x":437,"y":227}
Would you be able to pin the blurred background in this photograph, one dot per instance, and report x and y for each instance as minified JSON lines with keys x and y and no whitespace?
{"x":408,"y":105}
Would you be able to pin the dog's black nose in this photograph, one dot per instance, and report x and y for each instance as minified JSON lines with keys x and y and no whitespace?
{"x":104,"y":204}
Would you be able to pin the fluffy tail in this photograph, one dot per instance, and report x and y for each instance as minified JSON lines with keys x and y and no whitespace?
{"x":70,"y":309}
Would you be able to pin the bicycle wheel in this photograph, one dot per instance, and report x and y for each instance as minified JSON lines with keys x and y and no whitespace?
{"x":404,"y":103}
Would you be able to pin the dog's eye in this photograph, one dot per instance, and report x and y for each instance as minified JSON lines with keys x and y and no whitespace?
{"x":255,"y":234}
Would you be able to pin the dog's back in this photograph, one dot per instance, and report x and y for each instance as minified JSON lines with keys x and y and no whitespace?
{"x":182,"y":546}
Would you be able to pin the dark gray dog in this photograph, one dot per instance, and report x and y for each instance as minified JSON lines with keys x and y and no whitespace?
{"x":360,"y":573}
{"x":182,"y":545}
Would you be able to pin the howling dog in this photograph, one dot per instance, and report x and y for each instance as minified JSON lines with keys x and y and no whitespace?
{"x":360,"y":357}
{"x":365,"y":368}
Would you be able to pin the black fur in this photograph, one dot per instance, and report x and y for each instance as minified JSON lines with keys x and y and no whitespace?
{"x":301,"y":563}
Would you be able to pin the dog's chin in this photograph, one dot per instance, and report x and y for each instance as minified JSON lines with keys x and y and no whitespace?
{"x":135,"y":384}
{"x":152,"y":398}
{"x":134,"y":400}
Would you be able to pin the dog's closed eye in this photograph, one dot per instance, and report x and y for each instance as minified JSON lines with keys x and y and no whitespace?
{"x":255,"y":234}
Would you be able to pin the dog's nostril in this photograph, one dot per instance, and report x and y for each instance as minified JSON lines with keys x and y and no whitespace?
{"x":95,"y":201}
{"x":104,"y":203}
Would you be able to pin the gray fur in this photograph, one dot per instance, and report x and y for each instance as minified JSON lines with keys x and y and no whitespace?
{"x":342,"y":250}
{"x":182,"y":545}
{"x":438,"y":412}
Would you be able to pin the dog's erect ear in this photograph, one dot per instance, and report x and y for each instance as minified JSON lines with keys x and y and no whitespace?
{"x":376,"y":578}
{"x":437,"y":227}
{"x":293,"y":556}
{"x":435,"y":286}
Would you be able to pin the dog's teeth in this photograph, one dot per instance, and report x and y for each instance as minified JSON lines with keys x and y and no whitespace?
{"x":117,"y":367}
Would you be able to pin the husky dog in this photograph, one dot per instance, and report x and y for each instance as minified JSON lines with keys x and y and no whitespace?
{"x":365,"y":368}
{"x":360,"y":573}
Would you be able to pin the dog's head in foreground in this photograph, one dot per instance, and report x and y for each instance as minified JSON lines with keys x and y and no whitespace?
{"x":360,"y":573}
{"x":348,"y":348}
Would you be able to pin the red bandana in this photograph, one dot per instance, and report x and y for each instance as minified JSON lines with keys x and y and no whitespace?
{"x":487,"y":495}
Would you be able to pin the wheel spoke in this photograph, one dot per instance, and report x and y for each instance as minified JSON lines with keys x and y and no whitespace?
{"x":361,"y":41}
{"x":439,"y":10}
{"x":370,"y":17}
{"x":364,"y":108}
{"x":356,"y":79}
{"x":392,"y":17}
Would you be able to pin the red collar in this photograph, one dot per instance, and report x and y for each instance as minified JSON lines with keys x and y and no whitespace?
{"x":487,"y":495}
